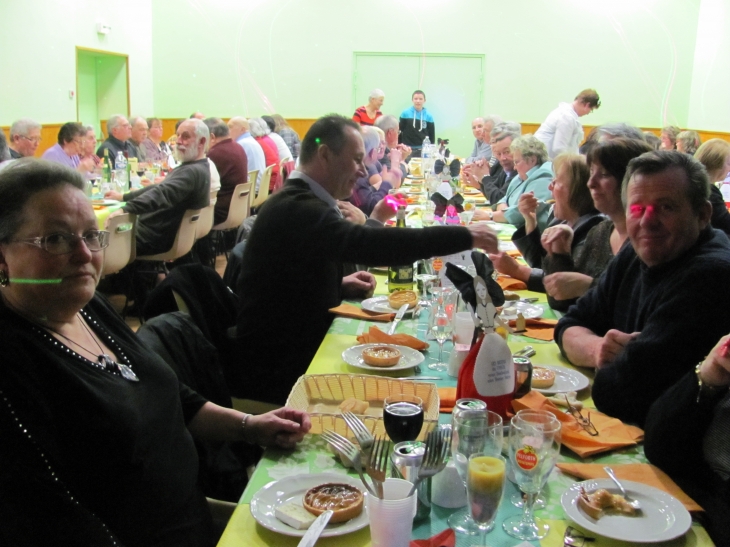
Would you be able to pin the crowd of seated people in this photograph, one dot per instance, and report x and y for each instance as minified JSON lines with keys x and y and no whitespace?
{"x":626,"y":239}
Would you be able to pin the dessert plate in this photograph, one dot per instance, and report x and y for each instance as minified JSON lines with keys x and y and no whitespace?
{"x":409,"y":358}
{"x":528,"y":311}
{"x":662,"y":516}
{"x":379,"y":304}
{"x":266,"y":500}
{"x":565,"y":380}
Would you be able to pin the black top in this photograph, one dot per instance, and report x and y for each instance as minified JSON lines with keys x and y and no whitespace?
{"x":14,"y":155}
{"x":720,"y":216}
{"x":87,"y":452}
{"x":292,"y":274}
{"x":674,"y":307}
{"x":114,"y":145}
{"x":494,"y":185}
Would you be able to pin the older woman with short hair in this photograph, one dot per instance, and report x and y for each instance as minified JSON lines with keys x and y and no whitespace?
{"x":715,"y":156}
{"x":534,"y":173}
{"x":291,"y":138}
{"x":688,"y":142}
{"x":68,"y":149}
{"x":669,"y":137}
{"x":573,"y":209}
{"x":156,"y":149}
{"x":260,"y":132}
{"x":366,"y":115}
{"x":97,"y":430}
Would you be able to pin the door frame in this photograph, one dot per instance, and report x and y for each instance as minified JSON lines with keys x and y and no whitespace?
{"x":102,"y":52}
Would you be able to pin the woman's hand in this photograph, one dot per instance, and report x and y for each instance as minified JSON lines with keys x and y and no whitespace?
{"x":283,"y":427}
{"x":715,"y":369}
{"x":567,"y":285}
{"x":557,"y":239}
{"x":507,"y":265}
{"x":527,"y":206}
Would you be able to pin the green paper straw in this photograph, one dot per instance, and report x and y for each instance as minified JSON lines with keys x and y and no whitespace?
{"x":35,"y":281}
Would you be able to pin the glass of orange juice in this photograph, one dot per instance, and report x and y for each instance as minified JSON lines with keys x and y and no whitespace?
{"x":484,"y":487}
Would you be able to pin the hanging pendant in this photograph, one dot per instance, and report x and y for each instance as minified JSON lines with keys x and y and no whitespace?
{"x":126,"y":372}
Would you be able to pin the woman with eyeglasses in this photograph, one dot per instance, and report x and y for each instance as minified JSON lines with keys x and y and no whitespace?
{"x":97,"y":431}
{"x":69,"y":148}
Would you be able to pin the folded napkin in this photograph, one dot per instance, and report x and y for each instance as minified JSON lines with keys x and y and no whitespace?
{"x":377,"y":336}
{"x":447,"y":399}
{"x":612,"y":433}
{"x":510,"y":283}
{"x":540,"y":329}
{"x":348,"y":310}
{"x":645,"y":473}
{"x":447,"y":538}
{"x":514,"y":253}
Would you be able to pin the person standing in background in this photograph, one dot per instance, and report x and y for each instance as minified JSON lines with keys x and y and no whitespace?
{"x":561,"y":131}
{"x":366,"y":115}
{"x":416,"y":123}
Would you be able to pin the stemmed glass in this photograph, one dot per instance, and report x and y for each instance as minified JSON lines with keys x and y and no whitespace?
{"x":469,"y":209}
{"x":439,"y":324}
{"x":484,"y":487}
{"x":534,"y":445}
{"x":426,"y":277}
{"x":473,"y":432}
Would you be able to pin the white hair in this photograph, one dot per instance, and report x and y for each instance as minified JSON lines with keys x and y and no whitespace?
{"x":23,"y":126}
{"x":376,"y":93}
{"x":258,"y":127}
{"x":113,"y":122}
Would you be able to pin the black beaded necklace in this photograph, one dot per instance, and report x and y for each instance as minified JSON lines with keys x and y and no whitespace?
{"x":104,"y":360}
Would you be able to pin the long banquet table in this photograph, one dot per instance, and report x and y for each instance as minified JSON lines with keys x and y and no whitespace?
{"x":312,"y":456}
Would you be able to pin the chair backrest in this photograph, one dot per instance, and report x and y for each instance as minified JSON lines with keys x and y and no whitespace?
{"x":239,"y":208}
{"x":122,"y":243}
{"x":263,"y":192}
{"x":207,"y":215}
{"x":284,"y":161}
{"x":253,"y":177}
{"x":184,"y":239}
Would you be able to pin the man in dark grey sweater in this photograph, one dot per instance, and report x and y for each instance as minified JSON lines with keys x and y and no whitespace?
{"x":657,"y":310}
{"x":161,"y":206}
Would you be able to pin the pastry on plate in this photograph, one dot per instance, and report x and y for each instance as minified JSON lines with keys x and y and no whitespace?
{"x":381,"y":356}
{"x":345,"y":500}
{"x":397,"y":298}
{"x":542,"y":378}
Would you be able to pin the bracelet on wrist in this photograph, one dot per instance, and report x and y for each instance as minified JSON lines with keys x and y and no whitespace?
{"x":244,"y":421}
{"x":705,"y":389}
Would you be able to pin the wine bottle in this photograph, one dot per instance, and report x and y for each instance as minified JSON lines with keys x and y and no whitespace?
{"x":400,"y":277}
{"x":106,"y":171}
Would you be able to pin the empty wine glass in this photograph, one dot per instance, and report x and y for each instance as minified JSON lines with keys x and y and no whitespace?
{"x":439,"y":325}
{"x":534,"y":445}
{"x":473,"y":431}
{"x":426,"y":276}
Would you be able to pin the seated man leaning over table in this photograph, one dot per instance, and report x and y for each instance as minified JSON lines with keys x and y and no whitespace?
{"x":292,"y":264}
{"x":161,"y":206}
{"x":657,"y":309}
{"x":493,"y":179}
{"x":688,"y":437}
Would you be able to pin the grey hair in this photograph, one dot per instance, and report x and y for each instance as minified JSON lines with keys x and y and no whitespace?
{"x":691,"y":141}
{"x":616,"y":130}
{"x":658,"y":161}
{"x":22,"y":127}
{"x":371,"y":139}
{"x":217,"y":127}
{"x":530,"y":147}
{"x":505,"y":129}
{"x":113,"y":122}
{"x":201,"y":130}
{"x":88,"y":128}
{"x":4,"y":151}
{"x":23,"y":179}
{"x":493,"y":119}
{"x":375,"y":93}
{"x":135,"y":118}
{"x":258,"y":127}
{"x":387,"y":122}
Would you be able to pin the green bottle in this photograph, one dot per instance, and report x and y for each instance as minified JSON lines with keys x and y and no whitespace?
{"x":106,"y":170}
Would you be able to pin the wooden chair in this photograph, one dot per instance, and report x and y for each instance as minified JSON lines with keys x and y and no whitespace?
{"x":263,"y":193}
{"x":122,"y":243}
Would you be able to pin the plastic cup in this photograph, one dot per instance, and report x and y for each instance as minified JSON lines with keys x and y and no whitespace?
{"x":391,"y":519}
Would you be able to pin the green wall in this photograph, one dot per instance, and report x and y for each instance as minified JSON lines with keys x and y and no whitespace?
{"x":296,"y":56}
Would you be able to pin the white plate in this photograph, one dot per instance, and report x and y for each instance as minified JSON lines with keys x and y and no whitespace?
{"x":266,"y":500}
{"x":662,"y":517}
{"x":565,"y":380}
{"x":105,"y":202}
{"x":529,"y":311}
{"x":379,"y":304}
{"x":409,"y":358}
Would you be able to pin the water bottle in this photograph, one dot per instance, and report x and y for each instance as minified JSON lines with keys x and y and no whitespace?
{"x":120,"y":170}
{"x":427,"y":160}
{"x":426,"y":150}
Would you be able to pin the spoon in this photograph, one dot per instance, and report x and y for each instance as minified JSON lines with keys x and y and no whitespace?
{"x":633,"y":503}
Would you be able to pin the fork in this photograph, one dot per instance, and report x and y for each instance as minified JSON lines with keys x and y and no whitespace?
{"x":377,"y":465}
{"x":438,"y":446}
{"x":364,"y":437}
{"x":632,"y":502}
{"x":349,"y":451}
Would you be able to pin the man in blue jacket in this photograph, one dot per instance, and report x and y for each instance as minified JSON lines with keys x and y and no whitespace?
{"x":416,"y":123}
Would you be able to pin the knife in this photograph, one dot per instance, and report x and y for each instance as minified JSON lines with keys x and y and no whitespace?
{"x":314,"y":531}
{"x":398,"y":317}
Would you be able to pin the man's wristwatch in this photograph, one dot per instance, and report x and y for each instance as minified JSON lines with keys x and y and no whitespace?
{"x":706,"y":390}
{"x":491,"y":214}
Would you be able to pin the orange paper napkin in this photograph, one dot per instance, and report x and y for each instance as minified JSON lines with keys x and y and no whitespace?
{"x":377,"y":336}
{"x":510,"y":283}
{"x":447,"y":399}
{"x":645,"y":473}
{"x":540,"y":329}
{"x":612,"y":433}
{"x":348,"y":310}
{"x":447,"y":538}
{"x":514,"y":253}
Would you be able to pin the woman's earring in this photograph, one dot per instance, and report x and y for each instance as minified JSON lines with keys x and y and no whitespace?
{"x":4,"y":280}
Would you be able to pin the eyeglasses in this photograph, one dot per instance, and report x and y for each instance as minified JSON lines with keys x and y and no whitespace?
{"x":34,"y":140}
{"x":573,"y":538}
{"x":585,"y":423}
{"x":62,"y":243}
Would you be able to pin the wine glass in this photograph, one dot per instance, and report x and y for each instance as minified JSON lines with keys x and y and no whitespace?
{"x":485,"y":487}
{"x":439,"y":325}
{"x":470,"y":205}
{"x":534,"y":445}
{"x":473,"y":432}
{"x":426,"y":276}
{"x":403,"y":417}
